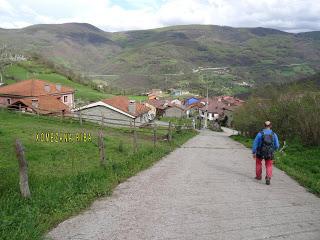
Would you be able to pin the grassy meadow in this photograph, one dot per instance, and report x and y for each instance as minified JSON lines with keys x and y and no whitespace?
{"x":65,"y":177}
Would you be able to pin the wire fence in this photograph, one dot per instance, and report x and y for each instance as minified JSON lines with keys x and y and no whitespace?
{"x":139,"y":130}
{"x":100,"y":119}
{"x":138,"y":127}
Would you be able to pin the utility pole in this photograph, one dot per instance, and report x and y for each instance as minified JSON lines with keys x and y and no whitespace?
{"x":207,"y":102}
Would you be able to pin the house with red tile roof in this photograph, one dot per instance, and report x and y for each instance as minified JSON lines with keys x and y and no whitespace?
{"x":220,"y":108}
{"x":36,"y":95}
{"x":118,"y":110}
{"x":192,"y":110}
{"x":215,"y":109}
{"x":230,"y":101}
{"x":43,"y":105}
{"x":157,"y":107}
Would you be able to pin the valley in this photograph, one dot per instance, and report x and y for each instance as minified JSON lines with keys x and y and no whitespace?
{"x":168,"y":57}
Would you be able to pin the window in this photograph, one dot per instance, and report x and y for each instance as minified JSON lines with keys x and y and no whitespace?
{"x":65,"y":99}
{"x":35,"y":103}
{"x":8,"y":100}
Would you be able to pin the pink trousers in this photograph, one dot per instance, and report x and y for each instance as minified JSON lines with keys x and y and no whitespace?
{"x":268,"y":164}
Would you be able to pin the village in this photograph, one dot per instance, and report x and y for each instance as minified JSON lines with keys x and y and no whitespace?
{"x":157,"y":120}
{"x":45,"y":98}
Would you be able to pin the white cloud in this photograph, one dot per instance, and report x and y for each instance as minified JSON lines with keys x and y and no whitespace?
{"x":6,"y":7}
{"x":113,"y":15}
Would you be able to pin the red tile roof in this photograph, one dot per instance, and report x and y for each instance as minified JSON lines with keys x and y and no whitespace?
{"x":195,"y":105}
{"x":214,"y":106}
{"x":46,"y":104}
{"x":157,"y":103}
{"x":122,"y":103}
{"x":34,"y":88}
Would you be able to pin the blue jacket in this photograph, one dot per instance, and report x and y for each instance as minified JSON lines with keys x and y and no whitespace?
{"x":258,"y":140}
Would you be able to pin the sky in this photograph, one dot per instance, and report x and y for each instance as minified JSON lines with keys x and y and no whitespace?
{"x":122,"y":15}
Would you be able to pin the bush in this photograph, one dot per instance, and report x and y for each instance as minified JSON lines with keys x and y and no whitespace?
{"x":294,"y":114}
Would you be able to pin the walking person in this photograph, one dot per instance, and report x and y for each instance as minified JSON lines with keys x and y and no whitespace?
{"x":263,"y":148}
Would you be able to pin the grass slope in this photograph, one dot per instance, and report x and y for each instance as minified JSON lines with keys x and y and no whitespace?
{"x":32,"y":69}
{"x":301,"y":163}
{"x":65,"y":177}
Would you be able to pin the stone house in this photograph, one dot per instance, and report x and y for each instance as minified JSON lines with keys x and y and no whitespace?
{"x":117,"y":111}
{"x":155,"y":94}
{"x":157,"y":107}
{"x":174,"y":110}
{"x":220,"y":108}
{"x":192,"y":110}
{"x":214,"y":110}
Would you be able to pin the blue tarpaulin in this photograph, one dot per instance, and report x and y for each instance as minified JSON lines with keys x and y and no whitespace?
{"x":192,"y":101}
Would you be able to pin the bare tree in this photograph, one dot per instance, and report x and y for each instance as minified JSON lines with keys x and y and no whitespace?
{"x":7,"y":57}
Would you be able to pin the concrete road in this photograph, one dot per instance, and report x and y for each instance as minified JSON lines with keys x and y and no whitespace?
{"x":203,"y":190}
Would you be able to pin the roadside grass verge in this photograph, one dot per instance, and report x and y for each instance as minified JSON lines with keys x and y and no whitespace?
{"x":300,"y":162}
{"x":65,"y":177}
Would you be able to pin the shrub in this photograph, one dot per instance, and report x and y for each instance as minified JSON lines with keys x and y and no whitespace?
{"x":294,"y":114}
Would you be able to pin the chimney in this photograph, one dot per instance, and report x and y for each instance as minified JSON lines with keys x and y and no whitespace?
{"x":58,"y":87}
{"x":132,"y":107}
{"x":35,"y":103}
{"x":47,"y":88}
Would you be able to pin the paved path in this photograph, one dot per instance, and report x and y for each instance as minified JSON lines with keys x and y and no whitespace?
{"x":203,"y":190}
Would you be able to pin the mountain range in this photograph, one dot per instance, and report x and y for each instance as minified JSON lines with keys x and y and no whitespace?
{"x":189,"y":56}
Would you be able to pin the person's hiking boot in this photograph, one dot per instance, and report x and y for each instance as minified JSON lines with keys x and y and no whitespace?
{"x":257,"y":178}
{"x":268,"y":181}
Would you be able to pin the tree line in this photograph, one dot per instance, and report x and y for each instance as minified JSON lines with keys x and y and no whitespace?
{"x":293,"y":109}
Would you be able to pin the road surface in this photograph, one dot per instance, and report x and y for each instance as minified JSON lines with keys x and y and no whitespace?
{"x":203,"y":190}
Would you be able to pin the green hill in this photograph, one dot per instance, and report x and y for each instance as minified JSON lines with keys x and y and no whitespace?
{"x":32,"y":69}
{"x":85,"y":91}
{"x":169,"y":57}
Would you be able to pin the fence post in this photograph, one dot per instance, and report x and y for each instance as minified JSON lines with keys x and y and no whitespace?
{"x":101,"y":149}
{"x":20,"y":109}
{"x":154,"y":135}
{"x":135,"y":147}
{"x":169,"y":132}
{"x":23,"y":170}
{"x":102,"y":120}
{"x":80,"y":117}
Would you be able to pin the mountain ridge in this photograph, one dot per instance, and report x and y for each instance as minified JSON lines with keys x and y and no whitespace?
{"x":141,"y":58}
